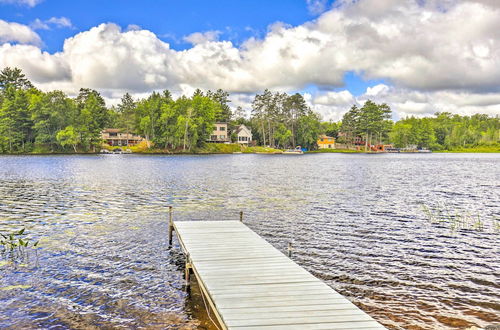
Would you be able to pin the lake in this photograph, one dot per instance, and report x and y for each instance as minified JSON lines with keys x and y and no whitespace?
{"x":412,"y":239}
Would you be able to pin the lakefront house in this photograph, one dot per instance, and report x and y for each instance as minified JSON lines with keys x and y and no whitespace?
{"x":326,"y":142}
{"x":220,"y":134}
{"x":115,"y":137}
{"x":243,"y":135}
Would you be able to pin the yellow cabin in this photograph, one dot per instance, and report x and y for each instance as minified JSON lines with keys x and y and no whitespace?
{"x":326,"y":142}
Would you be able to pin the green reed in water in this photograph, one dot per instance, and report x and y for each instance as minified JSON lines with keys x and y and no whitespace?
{"x":16,"y":244}
{"x":441,"y":214}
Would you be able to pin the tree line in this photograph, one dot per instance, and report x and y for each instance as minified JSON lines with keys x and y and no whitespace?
{"x":36,"y":121}
{"x":446,"y":131}
{"x":371,"y":124}
{"x":282,"y":120}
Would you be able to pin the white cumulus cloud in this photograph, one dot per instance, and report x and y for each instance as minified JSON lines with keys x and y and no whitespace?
{"x":202,"y":37}
{"x":58,"y":22}
{"x":29,"y":3}
{"x":316,"y":6}
{"x":430,"y":59}
{"x":18,"y":33}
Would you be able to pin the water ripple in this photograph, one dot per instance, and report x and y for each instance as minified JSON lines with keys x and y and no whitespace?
{"x":355,"y":221}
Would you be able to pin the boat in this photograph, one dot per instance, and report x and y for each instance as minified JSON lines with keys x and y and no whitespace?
{"x":424,"y":151}
{"x":296,"y":151}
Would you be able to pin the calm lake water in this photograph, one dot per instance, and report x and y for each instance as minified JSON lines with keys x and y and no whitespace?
{"x":413,"y":239}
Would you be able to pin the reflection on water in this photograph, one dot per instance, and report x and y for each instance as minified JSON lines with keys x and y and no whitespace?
{"x":355,"y":221}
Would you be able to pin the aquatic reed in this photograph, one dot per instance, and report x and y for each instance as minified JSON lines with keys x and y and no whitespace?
{"x":456,"y":220}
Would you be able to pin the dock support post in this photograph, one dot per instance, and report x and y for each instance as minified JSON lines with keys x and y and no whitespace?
{"x":289,"y":249}
{"x":170,"y":226}
{"x":241,"y":216}
{"x":187,"y":273}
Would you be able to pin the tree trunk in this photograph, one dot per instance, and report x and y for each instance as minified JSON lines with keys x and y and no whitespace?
{"x":263,"y":132}
{"x":366,"y":142}
{"x":186,"y":130}
{"x":185,"y":136}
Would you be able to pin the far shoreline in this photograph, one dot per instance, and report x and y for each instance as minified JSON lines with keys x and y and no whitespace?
{"x":192,"y":153}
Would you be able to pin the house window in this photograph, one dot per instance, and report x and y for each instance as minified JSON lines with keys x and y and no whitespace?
{"x":113,"y":134}
{"x":222,"y":136}
{"x":213,"y":137}
{"x":222,"y":128}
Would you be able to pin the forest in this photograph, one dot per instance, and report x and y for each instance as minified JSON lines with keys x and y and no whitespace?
{"x":33,"y":121}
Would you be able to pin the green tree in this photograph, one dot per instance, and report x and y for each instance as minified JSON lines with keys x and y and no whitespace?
{"x":222,"y":97}
{"x":92,"y":117}
{"x":401,"y":135}
{"x":15,"y":120}
{"x":149,"y":111}
{"x":68,"y":137}
{"x":50,"y":113}
{"x":14,"y":78}
{"x":372,"y":120}
{"x":283,"y":136}
{"x":126,"y":111}
{"x":330,"y":129}
{"x":350,"y":126}
{"x":308,"y":130}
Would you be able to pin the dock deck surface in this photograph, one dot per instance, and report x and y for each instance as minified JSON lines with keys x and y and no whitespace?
{"x":251,"y":285}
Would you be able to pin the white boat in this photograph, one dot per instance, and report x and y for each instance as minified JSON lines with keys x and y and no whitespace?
{"x":296,"y":151}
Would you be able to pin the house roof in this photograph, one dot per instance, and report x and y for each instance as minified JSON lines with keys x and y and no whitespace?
{"x":323,"y":136}
{"x":111,"y":130}
{"x":242,"y":127}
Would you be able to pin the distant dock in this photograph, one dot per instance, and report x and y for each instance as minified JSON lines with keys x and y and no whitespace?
{"x":248,"y":284}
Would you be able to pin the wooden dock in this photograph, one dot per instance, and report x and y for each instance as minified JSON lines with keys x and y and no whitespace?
{"x":249,"y":284}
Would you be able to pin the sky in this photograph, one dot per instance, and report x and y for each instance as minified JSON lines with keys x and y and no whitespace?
{"x":418,"y":56}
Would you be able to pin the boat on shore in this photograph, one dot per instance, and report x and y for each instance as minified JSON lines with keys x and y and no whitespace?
{"x":296,"y":151}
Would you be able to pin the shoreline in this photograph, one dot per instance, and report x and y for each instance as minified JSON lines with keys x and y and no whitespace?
{"x":337,"y":151}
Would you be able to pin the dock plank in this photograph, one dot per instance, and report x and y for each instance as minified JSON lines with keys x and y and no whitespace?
{"x":252,"y":285}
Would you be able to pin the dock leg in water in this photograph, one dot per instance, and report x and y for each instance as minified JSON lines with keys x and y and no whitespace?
{"x":187,"y":272}
{"x":170,"y":226}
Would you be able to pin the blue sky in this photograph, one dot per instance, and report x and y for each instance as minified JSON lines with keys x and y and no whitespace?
{"x":416,"y":55}
{"x":169,"y":19}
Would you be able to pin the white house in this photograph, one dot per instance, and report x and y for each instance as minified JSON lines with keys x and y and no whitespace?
{"x":244,"y":134}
